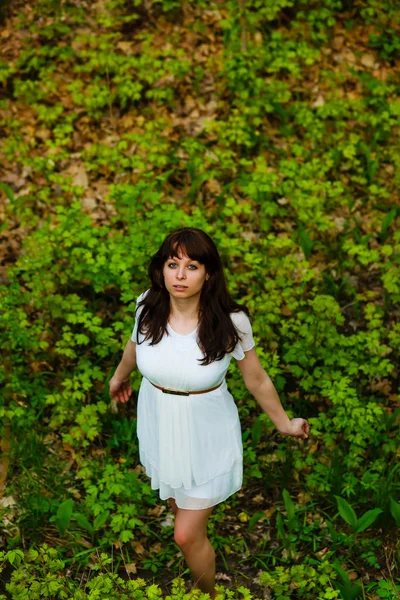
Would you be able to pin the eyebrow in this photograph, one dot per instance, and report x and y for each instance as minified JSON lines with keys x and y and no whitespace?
{"x":189,"y":260}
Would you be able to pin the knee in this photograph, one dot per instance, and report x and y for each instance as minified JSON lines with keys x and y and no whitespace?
{"x":185,"y":538}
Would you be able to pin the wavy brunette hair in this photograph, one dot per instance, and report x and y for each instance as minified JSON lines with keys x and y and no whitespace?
{"x":217,"y":335}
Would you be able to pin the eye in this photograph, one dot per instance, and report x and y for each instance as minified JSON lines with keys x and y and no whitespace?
{"x":172,"y":264}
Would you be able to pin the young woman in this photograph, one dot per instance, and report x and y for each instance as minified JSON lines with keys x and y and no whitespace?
{"x":186,"y":331}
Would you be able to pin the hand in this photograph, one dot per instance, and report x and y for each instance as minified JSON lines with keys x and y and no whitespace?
{"x":120,"y":389}
{"x":298,"y":428}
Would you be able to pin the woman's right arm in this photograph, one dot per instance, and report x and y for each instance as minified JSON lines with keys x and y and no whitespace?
{"x":120,"y":387}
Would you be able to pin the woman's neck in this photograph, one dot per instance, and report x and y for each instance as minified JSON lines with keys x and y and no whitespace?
{"x":184,"y":310}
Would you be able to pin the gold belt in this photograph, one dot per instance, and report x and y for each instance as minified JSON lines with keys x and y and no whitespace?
{"x":182,"y":393}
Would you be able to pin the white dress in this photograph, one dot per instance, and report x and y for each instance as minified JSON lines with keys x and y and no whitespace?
{"x":190,"y":446}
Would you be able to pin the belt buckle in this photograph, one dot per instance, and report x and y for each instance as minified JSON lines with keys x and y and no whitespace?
{"x":175,"y":392}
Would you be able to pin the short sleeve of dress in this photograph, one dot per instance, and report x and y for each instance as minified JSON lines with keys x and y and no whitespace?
{"x":246,"y":342}
{"x":137,"y":314}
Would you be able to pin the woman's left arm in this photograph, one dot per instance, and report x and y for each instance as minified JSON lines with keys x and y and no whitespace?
{"x":261,"y":387}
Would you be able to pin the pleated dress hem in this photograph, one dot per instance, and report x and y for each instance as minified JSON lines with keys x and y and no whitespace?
{"x":202,"y":507}
{"x":201,"y":496}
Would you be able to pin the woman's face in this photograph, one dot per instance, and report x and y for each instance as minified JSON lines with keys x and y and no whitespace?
{"x":184,"y":277}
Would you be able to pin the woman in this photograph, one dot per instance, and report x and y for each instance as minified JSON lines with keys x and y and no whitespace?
{"x":186,"y":331}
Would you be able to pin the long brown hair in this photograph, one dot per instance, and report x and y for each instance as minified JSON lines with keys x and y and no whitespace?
{"x":217,"y":335}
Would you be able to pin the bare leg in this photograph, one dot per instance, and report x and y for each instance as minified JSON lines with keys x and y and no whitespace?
{"x":191,"y":537}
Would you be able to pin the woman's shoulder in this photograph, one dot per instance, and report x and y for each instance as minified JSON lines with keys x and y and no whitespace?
{"x":239,"y":318}
{"x":241,"y":321}
{"x":246,"y":342}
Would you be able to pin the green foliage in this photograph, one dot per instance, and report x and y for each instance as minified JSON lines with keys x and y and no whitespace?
{"x":41,"y":574}
{"x":347,"y":512}
{"x":123,"y":124}
{"x":301,"y":580}
{"x":387,"y":43}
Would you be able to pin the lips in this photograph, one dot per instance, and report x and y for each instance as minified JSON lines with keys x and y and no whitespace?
{"x":180,"y":287}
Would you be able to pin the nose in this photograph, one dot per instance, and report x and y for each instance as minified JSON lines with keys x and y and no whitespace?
{"x":180,"y":274}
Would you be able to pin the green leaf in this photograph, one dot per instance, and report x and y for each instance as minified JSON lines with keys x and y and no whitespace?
{"x":63,"y":516}
{"x":289,"y":505}
{"x":8,"y":191}
{"x":54,"y":586}
{"x":255,"y":472}
{"x":388,"y":220}
{"x":332,"y":530}
{"x":255,"y":518}
{"x":245,"y":592}
{"x":101,"y":519}
{"x":306,"y":243}
{"x":15,"y":557}
{"x":346,"y":512}
{"x":280,"y":528}
{"x":126,"y":535}
{"x":83,"y":522}
{"x":395,"y":510}
{"x":367,"y":519}
{"x":32,"y":554}
{"x":256,"y":431}
{"x":349,"y":591}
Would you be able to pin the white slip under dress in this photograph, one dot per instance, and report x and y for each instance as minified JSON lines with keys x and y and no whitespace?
{"x":190,"y":446}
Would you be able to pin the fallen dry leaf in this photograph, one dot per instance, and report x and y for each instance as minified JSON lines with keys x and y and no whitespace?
{"x":337,"y":42}
{"x":368,"y":60}
{"x":321,"y":553}
{"x":156,"y":511}
{"x":320,"y":101}
{"x":7,"y":501}
{"x":258,"y":498}
{"x":78,"y":173}
{"x":222,"y":577}
{"x":131,"y":568}
{"x":168,"y":521}
{"x":137,"y":546}
{"x":88,"y":203}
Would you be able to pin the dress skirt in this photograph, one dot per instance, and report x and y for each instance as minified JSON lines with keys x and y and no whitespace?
{"x":197,"y":465}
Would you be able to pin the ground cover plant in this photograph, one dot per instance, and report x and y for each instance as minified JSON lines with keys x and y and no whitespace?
{"x":273,"y":127}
